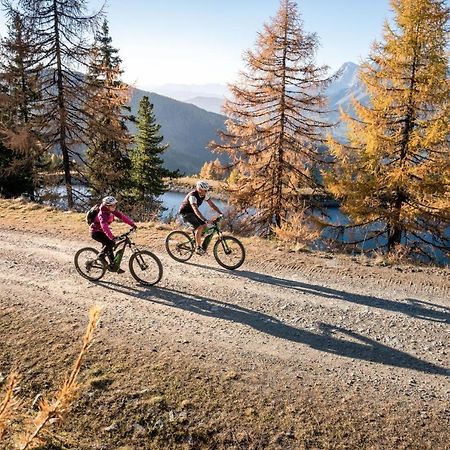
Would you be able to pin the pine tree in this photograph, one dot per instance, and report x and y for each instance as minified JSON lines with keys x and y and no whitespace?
{"x":147,"y":166}
{"x":274,"y":126}
{"x":61,"y":29}
{"x":395,"y":169}
{"x":108,"y":162}
{"x":21,"y":144}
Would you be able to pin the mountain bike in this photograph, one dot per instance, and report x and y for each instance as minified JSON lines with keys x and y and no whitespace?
{"x":227,"y":250}
{"x":145,"y":267}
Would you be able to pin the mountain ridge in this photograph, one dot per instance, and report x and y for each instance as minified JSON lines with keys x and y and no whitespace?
{"x":189,"y":125}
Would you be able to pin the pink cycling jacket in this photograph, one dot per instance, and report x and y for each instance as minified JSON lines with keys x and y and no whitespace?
{"x":105,"y":217}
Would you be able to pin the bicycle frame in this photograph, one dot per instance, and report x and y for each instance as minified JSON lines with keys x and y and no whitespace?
{"x":125,"y":242}
{"x":213,"y":230}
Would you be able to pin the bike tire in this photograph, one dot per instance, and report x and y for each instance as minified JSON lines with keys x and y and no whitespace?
{"x":145,"y":267}
{"x":88,"y":264}
{"x":236,"y":256}
{"x":179,"y":246}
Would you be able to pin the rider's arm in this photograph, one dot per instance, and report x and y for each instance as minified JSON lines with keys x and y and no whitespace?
{"x":193,"y":202}
{"x":213,"y":206}
{"x":124,"y":218}
{"x":197,"y":212}
{"x":103,"y":219}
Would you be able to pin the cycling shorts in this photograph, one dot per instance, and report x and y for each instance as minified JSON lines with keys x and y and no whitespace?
{"x":192,"y":220}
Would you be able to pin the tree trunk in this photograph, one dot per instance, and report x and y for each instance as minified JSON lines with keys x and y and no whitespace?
{"x":62,"y":113}
{"x":395,"y":228}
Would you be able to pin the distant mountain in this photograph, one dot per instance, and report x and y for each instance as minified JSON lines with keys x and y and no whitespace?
{"x":340,"y":92}
{"x":186,"y":128}
{"x":184,"y":92}
{"x":211,"y":104}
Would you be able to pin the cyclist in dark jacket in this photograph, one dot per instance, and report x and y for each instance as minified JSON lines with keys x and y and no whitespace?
{"x":100,"y":231}
{"x":189,"y":211}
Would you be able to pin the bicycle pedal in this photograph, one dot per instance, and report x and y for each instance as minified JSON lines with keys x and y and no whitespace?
{"x":120,"y":271}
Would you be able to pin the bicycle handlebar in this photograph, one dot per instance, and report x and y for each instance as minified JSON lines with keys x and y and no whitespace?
{"x":217,"y":219}
{"x":124,"y":235}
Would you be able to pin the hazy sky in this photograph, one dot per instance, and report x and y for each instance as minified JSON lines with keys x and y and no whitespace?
{"x":203,"y":41}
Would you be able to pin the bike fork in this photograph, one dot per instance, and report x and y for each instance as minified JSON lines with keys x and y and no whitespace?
{"x":226,"y":249}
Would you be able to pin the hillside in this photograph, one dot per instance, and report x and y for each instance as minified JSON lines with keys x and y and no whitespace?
{"x":292,"y":351}
{"x":212,"y":104}
{"x":186,"y":128}
{"x":345,"y":86}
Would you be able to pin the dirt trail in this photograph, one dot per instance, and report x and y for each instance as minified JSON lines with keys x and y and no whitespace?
{"x":309,"y":320}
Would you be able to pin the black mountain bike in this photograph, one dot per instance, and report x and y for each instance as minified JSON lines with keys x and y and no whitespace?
{"x":228,"y":251}
{"x":145,"y":267}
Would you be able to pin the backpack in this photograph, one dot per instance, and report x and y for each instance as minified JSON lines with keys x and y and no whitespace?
{"x":92,"y":214}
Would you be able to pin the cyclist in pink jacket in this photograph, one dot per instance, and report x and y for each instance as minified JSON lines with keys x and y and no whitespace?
{"x":99,"y":228}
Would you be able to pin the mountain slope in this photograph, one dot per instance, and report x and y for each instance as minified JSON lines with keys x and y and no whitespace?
{"x":211,"y":104}
{"x":344,"y":87}
{"x":187,"y":128}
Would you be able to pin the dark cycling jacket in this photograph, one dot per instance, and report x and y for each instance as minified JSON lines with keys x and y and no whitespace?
{"x":185,"y":207}
{"x":105,"y":218}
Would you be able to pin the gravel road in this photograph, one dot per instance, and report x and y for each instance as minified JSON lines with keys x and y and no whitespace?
{"x":301,"y":319}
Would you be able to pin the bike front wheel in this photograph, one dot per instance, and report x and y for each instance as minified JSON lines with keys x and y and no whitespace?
{"x":88,"y":264}
{"x":179,"y":246}
{"x":229,"y":252}
{"x":145,"y":267}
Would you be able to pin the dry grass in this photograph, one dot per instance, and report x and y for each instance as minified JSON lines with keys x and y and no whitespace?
{"x":168,"y":400}
{"x":50,"y":413}
{"x":297,"y":232}
{"x":10,"y":402}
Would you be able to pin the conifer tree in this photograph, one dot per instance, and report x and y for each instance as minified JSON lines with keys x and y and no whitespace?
{"x":274,"y":126}
{"x":395,"y":168}
{"x":108,"y":162}
{"x":61,"y":30}
{"x":206,"y":171}
{"x":20,"y":137}
{"x":147,"y":166}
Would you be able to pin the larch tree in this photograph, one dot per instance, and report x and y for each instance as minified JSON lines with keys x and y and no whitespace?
{"x":21,"y":142}
{"x":213,"y":170}
{"x":395,"y":168}
{"x":61,"y":30}
{"x":108,"y":162}
{"x":147,"y":165}
{"x":274,"y":126}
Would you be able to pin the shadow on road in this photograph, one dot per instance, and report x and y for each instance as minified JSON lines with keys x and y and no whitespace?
{"x":411,"y":307}
{"x":329,"y":338}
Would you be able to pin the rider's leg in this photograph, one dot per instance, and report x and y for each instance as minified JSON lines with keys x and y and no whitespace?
{"x":198,"y":235}
{"x":108,"y":245}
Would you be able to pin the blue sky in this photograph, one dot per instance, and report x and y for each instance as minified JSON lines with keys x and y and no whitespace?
{"x":203,"y":41}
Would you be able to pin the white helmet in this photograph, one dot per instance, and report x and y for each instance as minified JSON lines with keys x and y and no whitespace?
{"x":109,"y":201}
{"x":203,"y":185}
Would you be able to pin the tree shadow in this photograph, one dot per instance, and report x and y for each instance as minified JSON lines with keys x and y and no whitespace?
{"x":411,"y":307}
{"x":329,"y":338}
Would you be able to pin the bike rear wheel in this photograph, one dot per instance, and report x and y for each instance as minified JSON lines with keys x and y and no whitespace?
{"x":145,"y":267}
{"x":229,"y":252}
{"x":88,"y":264}
{"x":179,"y":246}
